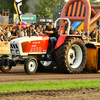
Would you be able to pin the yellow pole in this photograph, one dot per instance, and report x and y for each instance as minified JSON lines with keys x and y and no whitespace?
{"x":18,"y":10}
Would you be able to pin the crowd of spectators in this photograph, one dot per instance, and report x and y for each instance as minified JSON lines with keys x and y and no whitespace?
{"x":84,"y":35}
{"x":11,"y":33}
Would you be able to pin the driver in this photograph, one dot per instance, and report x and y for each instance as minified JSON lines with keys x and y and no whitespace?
{"x":53,"y":35}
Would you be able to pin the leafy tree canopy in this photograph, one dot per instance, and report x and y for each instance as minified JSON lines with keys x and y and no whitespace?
{"x":9,"y":4}
{"x":43,"y":9}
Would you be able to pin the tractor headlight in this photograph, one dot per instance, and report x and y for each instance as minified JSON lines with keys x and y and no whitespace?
{"x":17,"y":52}
{"x":12,"y":51}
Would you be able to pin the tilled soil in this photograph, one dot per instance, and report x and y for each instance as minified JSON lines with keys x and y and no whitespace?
{"x":71,"y":94}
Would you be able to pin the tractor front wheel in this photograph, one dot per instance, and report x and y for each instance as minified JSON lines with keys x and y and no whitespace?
{"x":31,"y":65}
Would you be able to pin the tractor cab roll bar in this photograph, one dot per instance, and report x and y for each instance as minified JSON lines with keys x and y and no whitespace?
{"x":69,"y":23}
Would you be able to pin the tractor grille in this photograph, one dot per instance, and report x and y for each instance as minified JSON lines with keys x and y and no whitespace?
{"x":13,"y":46}
{"x":14,"y":49}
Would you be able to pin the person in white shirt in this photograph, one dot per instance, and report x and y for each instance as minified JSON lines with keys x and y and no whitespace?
{"x":24,"y":32}
{"x":2,"y":36}
{"x":9,"y":33}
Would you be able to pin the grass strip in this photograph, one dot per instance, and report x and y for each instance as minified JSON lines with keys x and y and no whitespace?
{"x":18,"y":87}
{"x":6,"y":54}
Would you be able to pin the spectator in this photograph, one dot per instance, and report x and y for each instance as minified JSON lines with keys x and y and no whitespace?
{"x":41,"y":30}
{"x":37,"y":30}
{"x":85,"y":34}
{"x":33,"y":31}
{"x":75,"y":32}
{"x":6,"y":32}
{"x":27,"y":31}
{"x":9,"y":33}
{"x":79,"y":33}
{"x":71,"y":31}
{"x":34,"y":26}
{"x":93,"y":34}
{"x":60,"y":32}
{"x":40,"y":26}
{"x":44,"y":28}
{"x":13,"y":33}
{"x":24,"y":32}
{"x":2,"y":36}
{"x":18,"y":33}
{"x":23,"y":27}
{"x":0,"y":29}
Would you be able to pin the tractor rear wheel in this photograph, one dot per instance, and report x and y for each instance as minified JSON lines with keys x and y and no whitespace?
{"x":71,"y":56}
{"x":31,"y":65}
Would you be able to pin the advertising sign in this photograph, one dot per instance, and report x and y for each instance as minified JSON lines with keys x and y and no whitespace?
{"x":26,"y":18}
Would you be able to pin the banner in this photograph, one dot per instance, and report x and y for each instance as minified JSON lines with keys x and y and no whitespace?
{"x":17,"y":5}
{"x":26,"y":18}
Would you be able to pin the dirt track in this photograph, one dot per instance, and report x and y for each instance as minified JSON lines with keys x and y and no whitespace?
{"x":17,"y":74}
{"x":76,"y":94}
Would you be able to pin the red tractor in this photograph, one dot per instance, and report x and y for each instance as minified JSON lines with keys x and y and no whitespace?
{"x":70,"y":53}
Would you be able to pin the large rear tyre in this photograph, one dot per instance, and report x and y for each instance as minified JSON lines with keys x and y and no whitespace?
{"x":31,"y":65}
{"x":71,"y":56}
{"x":46,"y":65}
{"x":5,"y":68}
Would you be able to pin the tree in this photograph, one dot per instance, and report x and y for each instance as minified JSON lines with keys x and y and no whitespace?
{"x":9,"y":4}
{"x":45,"y":6}
{"x":94,"y":2}
{"x":57,"y":12}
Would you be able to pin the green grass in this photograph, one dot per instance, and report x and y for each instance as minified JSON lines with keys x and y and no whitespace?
{"x":6,"y":54}
{"x":17,"y":87}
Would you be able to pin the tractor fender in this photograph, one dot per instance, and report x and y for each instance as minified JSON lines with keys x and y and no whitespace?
{"x":62,"y":38}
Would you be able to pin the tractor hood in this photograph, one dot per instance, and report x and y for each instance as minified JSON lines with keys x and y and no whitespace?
{"x":24,"y":46}
{"x":25,"y":39}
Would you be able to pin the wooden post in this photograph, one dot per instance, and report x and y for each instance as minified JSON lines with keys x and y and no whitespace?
{"x":29,"y":31}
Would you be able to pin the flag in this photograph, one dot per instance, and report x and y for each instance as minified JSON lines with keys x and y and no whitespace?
{"x":17,"y":5}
